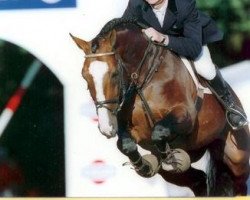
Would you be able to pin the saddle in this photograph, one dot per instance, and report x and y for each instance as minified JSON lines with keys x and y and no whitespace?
{"x":200,"y":83}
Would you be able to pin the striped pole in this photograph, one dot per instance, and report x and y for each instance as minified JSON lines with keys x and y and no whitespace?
{"x":15,"y":100}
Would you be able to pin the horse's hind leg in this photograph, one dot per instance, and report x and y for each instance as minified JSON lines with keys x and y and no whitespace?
{"x":236,"y":157}
{"x":229,"y":165}
{"x":193,"y":178}
{"x":220,"y":182}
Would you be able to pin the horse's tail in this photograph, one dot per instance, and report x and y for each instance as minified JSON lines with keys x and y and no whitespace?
{"x":219,"y":181}
{"x":211,"y":173}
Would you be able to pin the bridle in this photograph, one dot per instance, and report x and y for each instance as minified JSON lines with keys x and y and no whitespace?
{"x":103,"y":104}
{"x":133,"y":86}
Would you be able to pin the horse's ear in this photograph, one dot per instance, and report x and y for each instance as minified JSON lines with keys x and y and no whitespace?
{"x":82,"y":44}
{"x":113,"y":37}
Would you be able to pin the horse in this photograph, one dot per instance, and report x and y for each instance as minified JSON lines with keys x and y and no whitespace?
{"x":144,"y":94}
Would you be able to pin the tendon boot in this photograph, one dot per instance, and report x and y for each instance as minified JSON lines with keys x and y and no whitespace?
{"x":234,"y":114}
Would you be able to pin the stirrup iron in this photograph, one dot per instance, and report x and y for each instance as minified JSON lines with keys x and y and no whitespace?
{"x":229,"y":111}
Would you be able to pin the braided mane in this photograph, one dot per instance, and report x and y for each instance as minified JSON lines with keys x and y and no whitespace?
{"x":112,"y":24}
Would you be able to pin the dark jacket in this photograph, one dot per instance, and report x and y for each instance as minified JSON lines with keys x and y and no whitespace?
{"x":188,"y":29}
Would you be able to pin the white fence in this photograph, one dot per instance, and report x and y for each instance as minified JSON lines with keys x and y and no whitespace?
{"x":93,"y":163}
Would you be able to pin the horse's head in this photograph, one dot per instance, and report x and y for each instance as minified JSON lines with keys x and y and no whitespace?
{"x":101,"y":74}
{"x":105,"y":58}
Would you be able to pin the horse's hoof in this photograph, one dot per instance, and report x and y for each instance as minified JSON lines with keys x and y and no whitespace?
{"x":153,"y":161}
{"x":178,"y":162}
{"x":149,"y":167}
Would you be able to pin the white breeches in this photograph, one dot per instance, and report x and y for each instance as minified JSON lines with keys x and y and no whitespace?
{"x":204,"y":64}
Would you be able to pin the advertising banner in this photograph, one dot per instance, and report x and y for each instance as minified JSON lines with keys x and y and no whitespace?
{"x":29,"y":4}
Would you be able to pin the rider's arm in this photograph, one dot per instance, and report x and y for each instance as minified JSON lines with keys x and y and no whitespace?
{"x":190,"y":45}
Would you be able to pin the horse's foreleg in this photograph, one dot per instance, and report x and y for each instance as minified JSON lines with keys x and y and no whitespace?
{"x":177,"y":123}
{"x":129,"y":148}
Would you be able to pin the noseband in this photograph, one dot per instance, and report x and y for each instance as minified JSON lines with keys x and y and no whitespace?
{"x":95,"y":55}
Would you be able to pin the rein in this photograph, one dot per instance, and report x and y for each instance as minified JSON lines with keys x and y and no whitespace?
{"x":149,"y":75}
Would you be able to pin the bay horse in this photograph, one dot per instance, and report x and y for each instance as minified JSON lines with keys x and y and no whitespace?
{"x":144,"y":94}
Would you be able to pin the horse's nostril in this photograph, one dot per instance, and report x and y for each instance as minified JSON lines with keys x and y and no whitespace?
{"x":113,"y":133}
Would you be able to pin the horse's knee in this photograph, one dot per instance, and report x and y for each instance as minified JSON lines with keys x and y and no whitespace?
{"x":160,"y":133}
{"x":238,"y":158}
{"x":236,"y":154}
{"x":240,"y":174}
{"x":178,"y":121}
{"x":126,"y":145}
{"x":238,"y":165}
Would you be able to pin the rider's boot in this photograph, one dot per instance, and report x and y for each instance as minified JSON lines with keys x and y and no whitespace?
{"x":235,"y":115}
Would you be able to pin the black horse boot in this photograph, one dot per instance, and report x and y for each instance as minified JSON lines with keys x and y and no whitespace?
{"x":235,"y":115}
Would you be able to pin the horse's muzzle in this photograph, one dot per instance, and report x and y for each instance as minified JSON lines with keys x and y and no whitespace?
{"x":108,"y":133}
{"x":107,"y":123}
{"x":109,"y":136}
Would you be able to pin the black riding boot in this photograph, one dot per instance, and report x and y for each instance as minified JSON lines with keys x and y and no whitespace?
{"x":235,"y":115}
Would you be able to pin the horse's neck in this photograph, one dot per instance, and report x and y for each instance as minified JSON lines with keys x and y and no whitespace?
{"x":131,"y":45}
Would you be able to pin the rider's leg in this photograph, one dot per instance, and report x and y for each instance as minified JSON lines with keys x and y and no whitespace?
{"x":206,"y":68}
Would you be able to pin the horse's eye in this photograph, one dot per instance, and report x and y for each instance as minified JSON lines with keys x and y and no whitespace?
{"x":95,"y":45}
{"x":114,"y":74}
{"x":84,"y":75}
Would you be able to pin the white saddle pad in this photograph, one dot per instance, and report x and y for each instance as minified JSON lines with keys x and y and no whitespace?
{"x":199,"y":87}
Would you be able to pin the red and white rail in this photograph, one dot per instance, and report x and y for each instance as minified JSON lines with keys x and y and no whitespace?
{"x":15,"y":100}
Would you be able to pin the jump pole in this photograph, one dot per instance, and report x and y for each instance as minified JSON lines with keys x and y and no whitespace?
{"x":15,"y":100}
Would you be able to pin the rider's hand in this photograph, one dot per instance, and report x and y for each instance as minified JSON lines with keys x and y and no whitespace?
{"x":155,"y":36}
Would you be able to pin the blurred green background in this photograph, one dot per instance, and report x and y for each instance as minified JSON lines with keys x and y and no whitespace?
{"x":233,"y":17}
{"x":33,"y":141}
